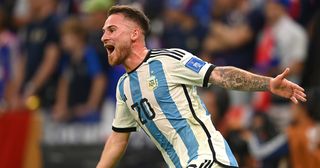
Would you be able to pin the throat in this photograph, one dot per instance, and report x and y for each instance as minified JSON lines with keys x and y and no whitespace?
{"x":135,"y":60}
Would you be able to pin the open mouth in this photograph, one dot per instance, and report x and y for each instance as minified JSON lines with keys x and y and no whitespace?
{"x":110,"y":49}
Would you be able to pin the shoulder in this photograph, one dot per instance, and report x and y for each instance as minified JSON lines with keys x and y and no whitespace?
{"x":170,"y":53}
{"x":122,"y":78}
{"x":292,"y":27}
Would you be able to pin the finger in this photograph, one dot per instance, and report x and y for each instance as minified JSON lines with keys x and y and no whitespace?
{"x":300,"y":93}
{"x":294,"y":100}
{"x":298,"y":87}
{"x":285,"y":73}
{"x":300,"y":98}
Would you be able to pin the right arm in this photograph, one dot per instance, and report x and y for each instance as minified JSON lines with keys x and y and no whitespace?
{"x":45,"y":70}
{"x":122,"y":125}
{"x":60,"y":108}
{"x":113,"y":149}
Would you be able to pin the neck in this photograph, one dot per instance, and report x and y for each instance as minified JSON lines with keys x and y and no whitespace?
{"x":135,"y":58}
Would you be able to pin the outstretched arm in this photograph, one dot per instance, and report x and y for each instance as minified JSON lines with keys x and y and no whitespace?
{"x":234,"y":78}
{"x":113,"y":149}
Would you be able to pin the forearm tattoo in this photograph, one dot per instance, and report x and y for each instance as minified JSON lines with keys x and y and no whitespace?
{"x":234,"y":78}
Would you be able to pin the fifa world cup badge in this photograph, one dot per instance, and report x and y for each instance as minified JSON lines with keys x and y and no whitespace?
{"x":152,"y":82}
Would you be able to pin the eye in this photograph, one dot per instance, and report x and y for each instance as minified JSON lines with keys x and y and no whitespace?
{"x":111,"y":30}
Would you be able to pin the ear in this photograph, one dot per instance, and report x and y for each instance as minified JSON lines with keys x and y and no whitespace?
{"x":135,"y":34}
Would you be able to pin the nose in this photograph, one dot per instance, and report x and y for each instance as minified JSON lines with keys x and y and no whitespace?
{"x":104,"y":37}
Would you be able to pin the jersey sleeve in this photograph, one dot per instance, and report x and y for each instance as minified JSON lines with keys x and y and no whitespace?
{"x":190,"y":70}
{"x":123,"y":120}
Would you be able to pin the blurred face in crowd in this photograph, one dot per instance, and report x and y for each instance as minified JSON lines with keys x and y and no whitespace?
{"x":118,"y":37}
{"x":273,"y":11}
{"x":36,"y":5}
{"x":69,"y":40}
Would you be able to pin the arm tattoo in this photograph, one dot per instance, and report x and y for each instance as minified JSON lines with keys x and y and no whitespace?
{"x":234,"y":78}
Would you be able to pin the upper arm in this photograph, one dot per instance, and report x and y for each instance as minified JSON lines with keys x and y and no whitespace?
{"x":123,"y":120}
{"x":51,"y":56}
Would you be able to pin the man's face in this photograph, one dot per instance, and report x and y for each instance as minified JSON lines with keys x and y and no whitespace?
{"x":116,"y":38}
{"x":272,"y":10}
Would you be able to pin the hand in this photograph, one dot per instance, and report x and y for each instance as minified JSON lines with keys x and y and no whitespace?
{"x":29,"y":90}
{"x":284,"y":88}
{"x":82,"y":110}
{"x":60,"y":113}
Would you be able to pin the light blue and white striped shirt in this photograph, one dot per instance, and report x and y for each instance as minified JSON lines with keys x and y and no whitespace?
{"x":160,"y":96}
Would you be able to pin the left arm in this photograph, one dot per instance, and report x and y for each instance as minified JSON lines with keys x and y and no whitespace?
{"x":94,"y":98}
{"x":96,"y":91}
{"x":237,"y":79}
{"x":45,"y":70}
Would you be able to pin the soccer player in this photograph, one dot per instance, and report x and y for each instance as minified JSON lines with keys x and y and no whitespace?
{"x":158,"y":94}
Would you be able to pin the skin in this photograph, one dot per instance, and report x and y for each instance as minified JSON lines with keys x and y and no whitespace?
{"x":127,"y":38}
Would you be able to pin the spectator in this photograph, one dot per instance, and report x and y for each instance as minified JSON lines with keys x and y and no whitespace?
{"x":264,"y":130}
{"x":283,"y":42}
{"x":232,"y":36}
{"x":9,"y":53}
{"x":40,"y":52}
{"x":81,"y":86}
{"x":181,"y":29}
{"x":301,"y":140}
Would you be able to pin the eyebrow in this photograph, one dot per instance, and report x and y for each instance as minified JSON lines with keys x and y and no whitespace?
{"x":109,"y":27}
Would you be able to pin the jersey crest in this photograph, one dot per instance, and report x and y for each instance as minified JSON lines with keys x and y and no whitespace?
{"x":152,"y":82}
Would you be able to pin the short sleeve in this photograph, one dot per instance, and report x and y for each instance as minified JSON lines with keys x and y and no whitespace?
{"x":190,"y":70}
{"x":123,"y":120}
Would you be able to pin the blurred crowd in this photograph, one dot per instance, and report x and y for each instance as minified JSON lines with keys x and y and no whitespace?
{"x":52,"y":61}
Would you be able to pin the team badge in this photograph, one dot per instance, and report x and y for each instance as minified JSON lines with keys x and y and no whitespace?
{"x":152,"y":83}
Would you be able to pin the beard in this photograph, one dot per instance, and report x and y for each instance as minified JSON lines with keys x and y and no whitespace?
{"x":119,"y":54}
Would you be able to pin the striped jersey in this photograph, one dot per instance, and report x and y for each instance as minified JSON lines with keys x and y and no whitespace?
{"x":160,"y":96}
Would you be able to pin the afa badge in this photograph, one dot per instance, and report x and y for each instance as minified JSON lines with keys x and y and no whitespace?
{"x":152,"y":82}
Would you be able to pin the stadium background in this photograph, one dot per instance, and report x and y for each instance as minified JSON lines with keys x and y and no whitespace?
{"x":44,"y":123}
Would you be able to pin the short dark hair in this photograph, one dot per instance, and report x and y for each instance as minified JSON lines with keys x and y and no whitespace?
{"x":134,"y":14}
